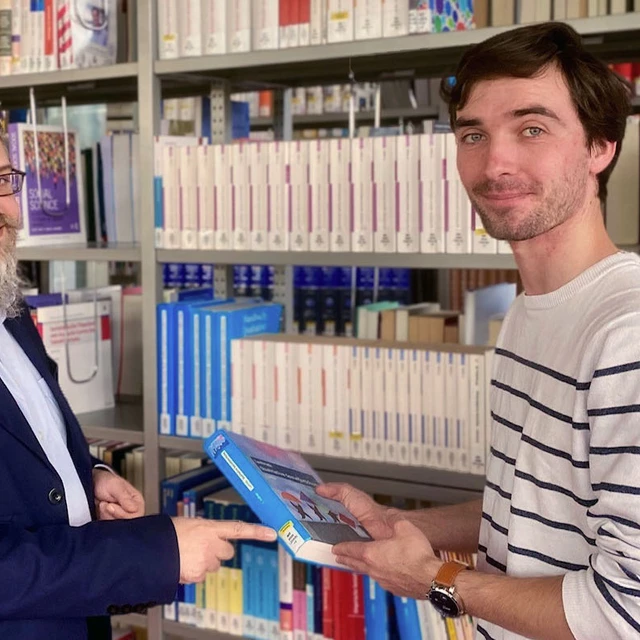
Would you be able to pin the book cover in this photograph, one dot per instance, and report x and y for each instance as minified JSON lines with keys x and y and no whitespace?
{"x":279,"y":486}
{"x":47,"y":218}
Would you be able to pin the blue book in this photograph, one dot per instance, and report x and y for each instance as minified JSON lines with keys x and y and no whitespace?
{"x":376,"y":610}
{"x":166,"y":354}
{"x":407,"y":618}
{"x":279,"y":487}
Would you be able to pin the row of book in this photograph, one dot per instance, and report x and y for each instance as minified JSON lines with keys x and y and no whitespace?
{"x":194,"y":358}
{"x":508,"y":12}
{"x":385,"y":194}
{"x":264,"y":593}
{"x":215,"y":27}
{"x":63,"y":34}
{"x":408,"y":404}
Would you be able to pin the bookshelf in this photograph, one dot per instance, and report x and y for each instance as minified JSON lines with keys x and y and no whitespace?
{"x":113,"y":83}
{"x":89,"y":252}
{"x":123,"y":422}
{"x":351,"y":259}
{"x":147,"y":82}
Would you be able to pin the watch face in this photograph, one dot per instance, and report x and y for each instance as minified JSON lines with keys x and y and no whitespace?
{"x":444,"y":604}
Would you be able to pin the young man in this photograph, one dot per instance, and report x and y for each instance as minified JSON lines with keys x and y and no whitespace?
{"x":539,"y":123}
{"x":74,"y":547}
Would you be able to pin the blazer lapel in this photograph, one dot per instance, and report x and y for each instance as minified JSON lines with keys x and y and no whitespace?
{"x":13,"y":419}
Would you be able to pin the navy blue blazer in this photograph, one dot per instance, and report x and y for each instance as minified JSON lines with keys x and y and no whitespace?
{"x":56,"y":581}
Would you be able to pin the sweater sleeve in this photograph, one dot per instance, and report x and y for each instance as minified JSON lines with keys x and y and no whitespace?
{"x":604,"y":600}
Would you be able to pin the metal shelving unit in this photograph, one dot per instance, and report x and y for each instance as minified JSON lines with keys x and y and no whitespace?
{"x":123,"y":422}
{"x":88,"y":252}
{"x":115,"y":83}
{"x":337,"y":119}
{"x":149,"y":80}
{"x":352,"y":259}
{"x":428,"y":54}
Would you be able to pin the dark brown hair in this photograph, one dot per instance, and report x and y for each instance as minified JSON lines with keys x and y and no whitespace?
{"x":600,"y":96}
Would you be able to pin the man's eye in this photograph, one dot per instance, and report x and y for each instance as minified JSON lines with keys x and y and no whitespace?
{"x":472,"y":138}
{"x":533,"y":132}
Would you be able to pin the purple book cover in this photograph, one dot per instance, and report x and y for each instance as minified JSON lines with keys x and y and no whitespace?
{"x":45,"y":210}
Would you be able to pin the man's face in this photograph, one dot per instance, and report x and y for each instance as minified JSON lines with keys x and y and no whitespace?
{"x":9,"y":226}
{"x":522,"y":154}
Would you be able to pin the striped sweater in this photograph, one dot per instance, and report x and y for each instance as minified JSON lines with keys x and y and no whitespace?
{"x":563,"y":479}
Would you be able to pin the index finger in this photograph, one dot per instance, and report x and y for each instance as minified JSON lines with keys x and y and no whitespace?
{"x":235,"y":530}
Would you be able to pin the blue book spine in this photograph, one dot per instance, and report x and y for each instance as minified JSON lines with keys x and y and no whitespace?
{"x":248,"y":585}
{"x":158,"y":203}
{"x":407,"y":618}
{"x":376,"y":612}
{"x":166,"y":369}
{"x":182,"y":421}
{"x":207,"y":369}
{"x":194,"y":389}
{"x":273,"y":591}
{"x":310,"y":587}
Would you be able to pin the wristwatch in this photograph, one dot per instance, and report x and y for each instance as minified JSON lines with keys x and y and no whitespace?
{"x":443,"y":595}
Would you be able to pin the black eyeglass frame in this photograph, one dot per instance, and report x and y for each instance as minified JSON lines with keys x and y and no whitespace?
{"x":15,"y":172}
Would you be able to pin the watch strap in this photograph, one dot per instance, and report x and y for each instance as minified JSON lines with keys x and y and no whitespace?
{"x":447,"y":573}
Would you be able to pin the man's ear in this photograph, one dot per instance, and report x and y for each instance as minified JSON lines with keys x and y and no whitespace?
{"x":602,"y":153}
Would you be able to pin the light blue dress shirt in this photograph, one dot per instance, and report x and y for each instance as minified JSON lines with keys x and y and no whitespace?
{"x":39,"y":407}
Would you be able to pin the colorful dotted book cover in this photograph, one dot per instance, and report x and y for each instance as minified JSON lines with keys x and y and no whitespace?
{"x":452,"y":15}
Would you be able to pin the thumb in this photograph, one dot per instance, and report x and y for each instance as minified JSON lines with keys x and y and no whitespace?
{"x":404,"y":528}
{"x":333,"y":490}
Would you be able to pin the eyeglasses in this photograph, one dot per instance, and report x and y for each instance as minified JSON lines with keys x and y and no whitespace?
{"x":11,"y":183}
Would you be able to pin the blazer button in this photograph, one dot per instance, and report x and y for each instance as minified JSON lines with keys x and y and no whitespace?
{"x":55,"y":496}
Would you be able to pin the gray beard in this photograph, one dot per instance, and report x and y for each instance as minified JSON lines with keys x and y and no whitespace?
{"x":10,"y":281}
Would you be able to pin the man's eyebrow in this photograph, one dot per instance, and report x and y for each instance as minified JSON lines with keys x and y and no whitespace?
{"x":5,"y":167}
{"x":534,"y":109}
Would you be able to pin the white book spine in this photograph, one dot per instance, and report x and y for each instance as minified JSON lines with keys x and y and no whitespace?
{"x":462,"y":418}
{"x":170,"y":188}
{"x":458,"y":208}
{"x":214,"y":25}
{"x":317,"y":30}
{"x":402,"y":390}
{"x":190,"y":28}
{"x":258,"y":201}
{"x":16,"y":34}
{"x":362,"y":199}
{"x":168,"y":34}
{"x":222,"y":195}
{"x":300,"y":195}
{"x":238,"y":384}
{"x":304,"y":395}
{"x":339,"y":435}
{"x":278,"y":214}
{"x":340,"y":20}
{"x":391,"y":408}
{"x":385,"y":195}
{"x":246,"y":425}
{"x":452,"y":460}
{"x":293,"y":28}
{"x":269,"y":436}
{"x":240,"y":197}
{"x":329,"y":399}
{"x":64,"y":26}
{"x":439,"y":408}
{"x":285,"y":578}
{"x":205,"y":189}
{"x":258,"y":375}
{"x":356,"y":409}
{"x":367,"y":19}
{"x":315,"y":439}
{"x":188,"y":196}
{"x":319,"y":179}
{"x":339,"y":207}
{"x":378,"y":402}
{"x":367,"y":357}
{"x":416,"y":430}
{"x":395,"y":18}
{"x":265,"y":24}
{"x":477,"y":414}
{"x":296,"y":355}
{"x":482,"y":241}
{"x":407,"y":182}
{"x":282,"y":364}
{"x":239,"y":26}
{"x":428,"y":409}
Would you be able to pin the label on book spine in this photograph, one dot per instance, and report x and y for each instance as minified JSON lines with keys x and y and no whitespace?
{"x":245,"y":481}
{"x":291,"y":537}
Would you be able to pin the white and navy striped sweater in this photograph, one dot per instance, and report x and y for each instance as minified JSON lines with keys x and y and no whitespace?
{"x":563,"y":480}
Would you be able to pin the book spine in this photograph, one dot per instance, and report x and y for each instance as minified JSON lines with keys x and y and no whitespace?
{"x":195,"y":390}
{"x":168,"y":30}
{"x":214,"y":24}
{"x":182,"y":419}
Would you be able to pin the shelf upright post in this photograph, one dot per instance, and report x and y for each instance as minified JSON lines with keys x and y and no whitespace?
{"x":283,"y":275}
{"x":221,"y":124}
{"x":149,"y":100}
